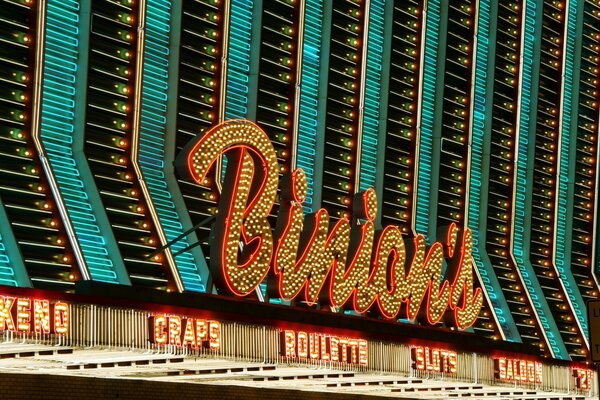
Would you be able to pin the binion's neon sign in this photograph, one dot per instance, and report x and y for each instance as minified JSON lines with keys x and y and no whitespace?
{"x":309,"y":258}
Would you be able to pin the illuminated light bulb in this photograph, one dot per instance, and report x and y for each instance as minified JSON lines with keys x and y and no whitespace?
{"x":210,"y":50}
{"x":121,"y":106}
{"x":283,"y":106}
{"x":121,"y":88}
{"x":124,"y":53}
{"x":347,"y":142}
{"x":126,"y":18}
{"x":125,"y":35}
{"x":123,"y":71}
{"x":20,"y":76}
{"x":206,"y":115}
{"x":22,"y":37}
{"x":18,"y":95}
{"x":18,"y":115}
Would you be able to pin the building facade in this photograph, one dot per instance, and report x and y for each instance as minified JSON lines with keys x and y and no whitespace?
{"x":472,"y":114}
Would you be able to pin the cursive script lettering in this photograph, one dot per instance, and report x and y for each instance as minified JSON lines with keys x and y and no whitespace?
{"x":341,"y":265}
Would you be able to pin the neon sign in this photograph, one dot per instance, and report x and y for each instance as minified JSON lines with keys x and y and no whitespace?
{"x":584,"y":378}
{"x":184,"y":332}
{"x":434,"y":360}
{"x":25,"y":315}
{"x":316,"y":346}
{"x":306,"y":259}
{"x":518,"y":370}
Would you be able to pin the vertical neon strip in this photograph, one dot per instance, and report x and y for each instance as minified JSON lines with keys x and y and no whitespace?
{"x":237,"y":65}
{"x":12,"y":268}
{"x":321,"y":108}
{"x":56,"y":131}
{"x":522,"y":196}
{"x":368,"y":129}
{"x":309,"y":92}
{"x":425,"y":131}
{"x":561,"y":259}
{"x":481,"y":132}
{"x":152,"y":129}
{"x":171,"y":140}
{"x":7,"y":273}
{"x":254,"y":54}
{"x":238,"y":62}
{"x":140,"y":152}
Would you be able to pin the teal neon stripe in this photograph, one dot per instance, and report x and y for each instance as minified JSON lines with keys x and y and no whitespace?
{"x":481,"y":128}
{"x":12,"y":268}
{"x":372,"y":96}
{"x":238,"y":65}
{"x":153,"y":121}
{"x":171,"y":138}
{"x":57,"y":130}
{"x":309,"y":92}
{"x":253,"y":71}
{"x":7,"y":273}
{"x":432,"y":31}
{"x":522,"y":188}
{"x":571,"y":288}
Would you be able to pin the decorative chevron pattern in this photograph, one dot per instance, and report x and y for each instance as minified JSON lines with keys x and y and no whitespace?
{"x":477,"y":113}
